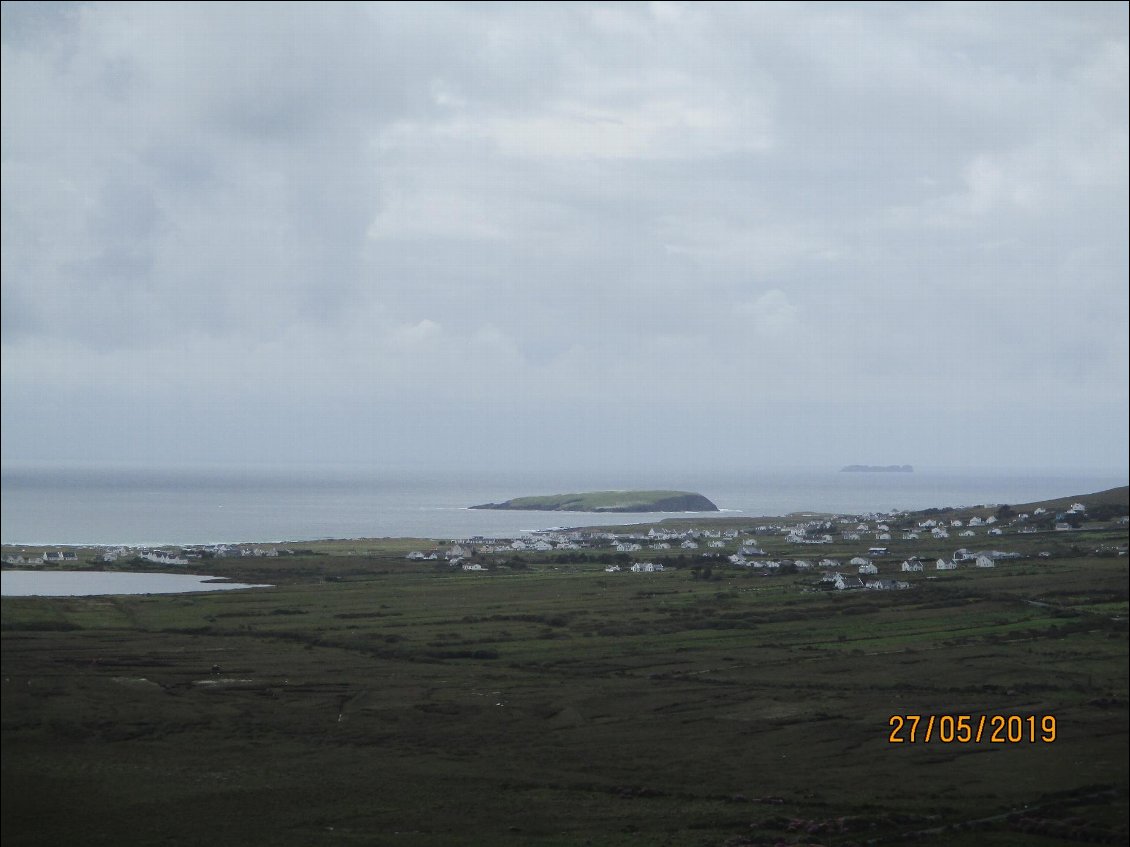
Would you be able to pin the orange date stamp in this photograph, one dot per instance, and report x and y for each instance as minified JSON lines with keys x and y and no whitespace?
{"x":972,"y":729}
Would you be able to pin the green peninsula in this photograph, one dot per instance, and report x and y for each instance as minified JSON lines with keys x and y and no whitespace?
{"x":610,"y":501}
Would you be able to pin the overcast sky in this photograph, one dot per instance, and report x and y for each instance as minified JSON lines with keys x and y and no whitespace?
{"x":566,"y":236}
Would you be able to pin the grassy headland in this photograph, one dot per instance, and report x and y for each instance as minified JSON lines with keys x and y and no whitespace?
{"x":610,"y":501}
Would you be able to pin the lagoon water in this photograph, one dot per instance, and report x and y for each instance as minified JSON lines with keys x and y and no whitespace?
{"x":96,"y":583}
{"x":71,"y":506}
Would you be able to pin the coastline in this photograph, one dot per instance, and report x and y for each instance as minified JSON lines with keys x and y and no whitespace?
{"x":147,"y":510}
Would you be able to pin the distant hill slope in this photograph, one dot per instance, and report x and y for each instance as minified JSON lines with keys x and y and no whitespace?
{"x":1111,"y":497}
{"x":610,"y":501}
{"x":1111,"y":501}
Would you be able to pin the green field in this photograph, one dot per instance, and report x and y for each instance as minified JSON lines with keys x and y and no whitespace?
{"x":369,"y":700}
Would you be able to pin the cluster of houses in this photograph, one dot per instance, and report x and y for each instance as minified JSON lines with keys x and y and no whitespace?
{"x":834,"y":579}
{"x":841,"y":582}
{"x":749,"y":553}
{"x":178,"y":556}
{"x":965,"y":529}
{"x":637,"y":567}
{"x":47,"y":557}
{"x":457,"y":555}
{"x":881,"y":527}
{"x":187,"y":554}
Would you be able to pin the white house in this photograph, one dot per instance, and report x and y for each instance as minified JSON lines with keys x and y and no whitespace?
{"x":868,"y":569}
{"x":859,"y":560}
{"x":985,"y":562}
{"x":163,"y":557}
{"x":943,"y":565}
{"x":911,"y":566}
{"x":967,"y":533}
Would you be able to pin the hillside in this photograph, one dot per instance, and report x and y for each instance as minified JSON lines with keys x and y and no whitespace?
{"x":1100,"y":505}
{"x":1111,"y":497}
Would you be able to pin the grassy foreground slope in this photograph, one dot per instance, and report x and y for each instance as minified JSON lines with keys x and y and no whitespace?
{"x":366,"y":701}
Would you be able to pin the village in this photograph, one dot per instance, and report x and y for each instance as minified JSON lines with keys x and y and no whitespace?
{"x":873,"y":552}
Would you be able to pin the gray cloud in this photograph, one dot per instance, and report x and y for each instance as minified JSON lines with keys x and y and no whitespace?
{"x":457,"y":234}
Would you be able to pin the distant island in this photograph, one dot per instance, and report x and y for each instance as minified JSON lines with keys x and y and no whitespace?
{"x":610,"y":501}
{"x":877,"y":469}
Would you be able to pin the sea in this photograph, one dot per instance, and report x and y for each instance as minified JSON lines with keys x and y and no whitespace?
{"x":133,"y":506}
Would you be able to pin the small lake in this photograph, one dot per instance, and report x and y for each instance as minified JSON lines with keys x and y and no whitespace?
{"x":95,"y":583}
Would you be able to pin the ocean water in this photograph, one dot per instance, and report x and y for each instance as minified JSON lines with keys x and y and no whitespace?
{"x":94,"y":584}
{"x":72,"y":506}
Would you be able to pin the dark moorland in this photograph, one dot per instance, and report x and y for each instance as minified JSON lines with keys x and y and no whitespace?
{"x":371,"y":700}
